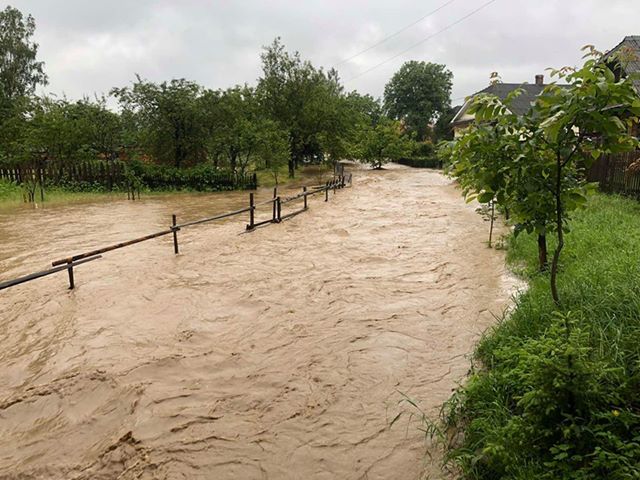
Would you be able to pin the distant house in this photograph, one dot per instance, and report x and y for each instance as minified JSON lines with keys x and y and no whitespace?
{"x":629,"y":49}
{"x":520,"y":105}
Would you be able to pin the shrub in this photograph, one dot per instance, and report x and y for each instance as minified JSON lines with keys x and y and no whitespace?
{"x":204,"y":177}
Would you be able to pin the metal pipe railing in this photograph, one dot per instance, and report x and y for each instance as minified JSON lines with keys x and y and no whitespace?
{"x":69,"y":263}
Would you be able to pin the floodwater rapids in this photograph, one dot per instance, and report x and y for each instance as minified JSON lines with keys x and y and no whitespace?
{"x":282,"y":353}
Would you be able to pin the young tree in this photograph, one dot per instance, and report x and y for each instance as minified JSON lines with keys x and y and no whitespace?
{"x":496,"y":162}
{"x":417,"y":94}
{"x":273,"y":150}
{"x":578,"y":124}
{"x":383,"y":142}
{"x":535,"y":165}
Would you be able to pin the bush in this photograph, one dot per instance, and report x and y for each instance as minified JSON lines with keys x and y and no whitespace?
{"x":204,"y":177}
{"x":555,"y":395}
{"x":424,"y":150}
{"x":9,"y":190}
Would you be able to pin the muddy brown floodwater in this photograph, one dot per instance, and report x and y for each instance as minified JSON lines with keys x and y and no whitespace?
{"x":276,"y":354}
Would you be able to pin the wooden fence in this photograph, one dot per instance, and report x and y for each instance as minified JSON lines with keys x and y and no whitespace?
{"x":108,"y":174}
{"x":275,"y":216}
{"x":111,"y":175}
{"x":614,"y":174}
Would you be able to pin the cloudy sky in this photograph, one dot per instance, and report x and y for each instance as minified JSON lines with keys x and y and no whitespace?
{"x":91,"y":46}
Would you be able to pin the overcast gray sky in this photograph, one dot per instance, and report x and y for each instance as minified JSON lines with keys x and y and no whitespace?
{"x":91,"y":46}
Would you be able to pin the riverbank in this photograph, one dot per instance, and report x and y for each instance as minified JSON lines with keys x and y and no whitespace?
{"x":555,"y":393}
{"x":279,"y":353}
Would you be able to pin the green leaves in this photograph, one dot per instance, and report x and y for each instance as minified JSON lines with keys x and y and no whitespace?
{"x":417,"y":94}
{"x":485,"y":197}
{"x":20,"y":72}
{"x":308,"y":103}
{"x":552,"y":125}
{"x":383,"y":142}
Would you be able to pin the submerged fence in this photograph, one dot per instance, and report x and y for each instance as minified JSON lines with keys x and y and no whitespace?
{"x":617,"y":173}
{"x":275,"y":216}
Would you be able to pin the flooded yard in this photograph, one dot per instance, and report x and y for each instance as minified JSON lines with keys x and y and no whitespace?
{"x":279,"y":353}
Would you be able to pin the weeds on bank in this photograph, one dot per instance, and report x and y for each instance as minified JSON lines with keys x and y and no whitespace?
{"x":554,"y":393}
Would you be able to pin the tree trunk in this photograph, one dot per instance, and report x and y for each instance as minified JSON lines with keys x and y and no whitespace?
{"x":233,"y":161}
{"x":493,"y":216}
{"x":292,"y":169}
{"x":543,"y":262}
{"x":559,"y":227}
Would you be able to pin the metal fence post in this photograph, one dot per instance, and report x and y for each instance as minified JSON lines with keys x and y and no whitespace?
{"x":72,"y":284}
{"x":275,"y":194}
{"x":175,"y":233}
{"x":279,"y":209}
{"x":326,"y":192}
{"x":251,"y":212}
{"x":304,"y":191}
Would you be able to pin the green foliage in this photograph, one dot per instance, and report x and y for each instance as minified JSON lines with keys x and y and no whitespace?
{"x":297,"y":114}
{"x":165,"y":119}
{"x":383,"y":142}
{"x":239,"y":132}
{"x":306,"y":102}
{"x":555,"y":396}
{"x":417,"y":94}
{"x":534,"y":165}
{"x":9,"y":191}
{"x":20,"y":72}
{"x":57,"y":133}
{"x":204,"y":177}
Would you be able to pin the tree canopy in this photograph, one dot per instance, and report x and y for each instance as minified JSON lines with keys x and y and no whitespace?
{"x":418,"y":94}
{"x":20,"y":71}
{"x":305,"y":101}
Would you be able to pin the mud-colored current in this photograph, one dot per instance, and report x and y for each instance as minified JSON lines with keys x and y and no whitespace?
{"x":277,"y":354}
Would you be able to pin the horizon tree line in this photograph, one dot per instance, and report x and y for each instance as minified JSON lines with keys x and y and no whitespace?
{"x":295,"y":113}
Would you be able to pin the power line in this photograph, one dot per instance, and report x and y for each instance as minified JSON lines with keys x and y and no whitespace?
{"x":395,"y":34}
{"x":460,"y":20}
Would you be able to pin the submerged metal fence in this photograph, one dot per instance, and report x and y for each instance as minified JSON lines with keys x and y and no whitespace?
{"x":276,"y":216}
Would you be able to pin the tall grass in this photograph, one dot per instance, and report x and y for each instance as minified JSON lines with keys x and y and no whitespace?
{"x":556,"y":392}
{"x":12,"y":195}
{"x":9,"y":191}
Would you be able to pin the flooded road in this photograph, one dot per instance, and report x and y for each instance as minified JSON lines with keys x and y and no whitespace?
{"x":275,"y":354}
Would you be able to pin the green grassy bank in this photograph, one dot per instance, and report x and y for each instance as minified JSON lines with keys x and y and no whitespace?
{"x":555,"y":393}
{"x":13,"y":195}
